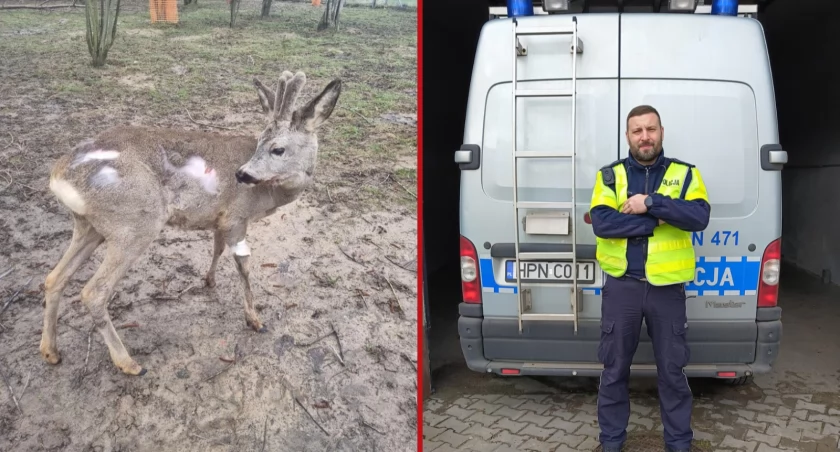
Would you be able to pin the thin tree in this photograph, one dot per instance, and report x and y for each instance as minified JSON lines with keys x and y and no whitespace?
{"x":101,"y":23}
{"x":331,"y":12}
{"x":266,"y":8}
{"x":234,"y":11}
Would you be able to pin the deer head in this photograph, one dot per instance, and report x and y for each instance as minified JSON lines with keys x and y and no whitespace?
{"x":287,"y":148}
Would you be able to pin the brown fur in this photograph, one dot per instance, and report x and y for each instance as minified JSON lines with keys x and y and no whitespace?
{"x":128,"y":183}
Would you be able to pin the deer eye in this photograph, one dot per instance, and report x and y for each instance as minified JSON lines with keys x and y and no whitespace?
{"x":278,"y":151}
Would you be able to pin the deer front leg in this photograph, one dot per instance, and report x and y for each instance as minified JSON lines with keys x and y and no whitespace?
{"x":218,"y":249}
{"x":97,"y":292}
{"x":241,"y":255}
{"x":84,"y":243}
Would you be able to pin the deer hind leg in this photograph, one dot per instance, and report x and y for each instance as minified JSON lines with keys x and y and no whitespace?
{"x":84,"y":242}
{"x":241,"y":255}
{"x":98,"y":291}
{"x":218,"y":249}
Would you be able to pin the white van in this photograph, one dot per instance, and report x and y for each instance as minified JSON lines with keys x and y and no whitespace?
{"x":709,"y":77}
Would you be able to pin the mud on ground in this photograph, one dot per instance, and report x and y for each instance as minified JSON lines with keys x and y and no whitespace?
{"x":334,"y":274}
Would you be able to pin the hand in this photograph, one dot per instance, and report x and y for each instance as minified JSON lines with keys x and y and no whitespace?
{"x":635,"y":205}
{"x":661,"y":221}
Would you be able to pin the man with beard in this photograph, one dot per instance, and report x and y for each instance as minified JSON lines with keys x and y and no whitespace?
{"x":643,"y":210}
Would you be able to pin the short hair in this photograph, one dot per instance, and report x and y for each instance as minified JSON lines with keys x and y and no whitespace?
{"x":642,"y":110}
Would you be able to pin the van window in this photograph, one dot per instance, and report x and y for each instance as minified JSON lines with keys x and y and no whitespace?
{"x":711,"y":124}
{"x":544,"y":124}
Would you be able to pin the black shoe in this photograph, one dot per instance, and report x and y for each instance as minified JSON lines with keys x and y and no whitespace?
{"x":610,"y":448}
{"x":670,"y":449}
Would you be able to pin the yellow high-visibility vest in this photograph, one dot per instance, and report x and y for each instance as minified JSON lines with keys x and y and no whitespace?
{"x":670,"y":254}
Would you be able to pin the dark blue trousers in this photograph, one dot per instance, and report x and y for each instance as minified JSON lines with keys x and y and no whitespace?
{"x":625,"y":301}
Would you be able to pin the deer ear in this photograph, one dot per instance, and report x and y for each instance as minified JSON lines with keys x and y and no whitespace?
{"x":313,"y":114}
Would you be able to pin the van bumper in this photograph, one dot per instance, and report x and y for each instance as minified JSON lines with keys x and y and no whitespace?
{"x":471,"y":323}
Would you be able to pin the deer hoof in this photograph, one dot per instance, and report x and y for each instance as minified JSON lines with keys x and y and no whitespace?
{"x":52,"y":357}
{"x":210,"y":282}
{"x":257,"y":326}
{"x":133,"y":369}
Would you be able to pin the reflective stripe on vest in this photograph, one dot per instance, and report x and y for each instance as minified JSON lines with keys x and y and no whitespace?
{"x":670,"y":255}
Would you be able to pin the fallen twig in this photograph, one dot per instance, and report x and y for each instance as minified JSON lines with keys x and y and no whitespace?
{"x":25,"y":385}
{"x":312,"y":417}
{"x":357,"y":113}
{"x":217,"y":373}
{"x":6,"y":272}
{"x":395,"y":295}
{"x":400,"y":266}
{"x":38,"y":7}
{"x":176,"y":297}
{"x":361,"y":294}
{"x":208,"y":125}
{"x":338,"y":354}
{"x":350,"y":257}
{"x":318,"y":339}
{"x":403,"y":187}
{"x":199,"y":436}
{"x":371,"y":427}
{"x":129,"y":325}
{"x":265,"y":431}
{"x":338,"y":340}
{"x":14,"y":296}
{"x":367,"y":239}
{"x":90,"y":336}
{"x":410,"y":362}
{"x":11,"y":392}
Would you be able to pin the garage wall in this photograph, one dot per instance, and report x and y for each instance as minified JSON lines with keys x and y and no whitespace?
{"x":803,"y":42}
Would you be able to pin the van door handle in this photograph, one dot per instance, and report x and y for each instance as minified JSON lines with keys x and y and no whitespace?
{"x":778,"y":157}
{"x":463,"y":156}
{"x":773,"y":157}
{"x":468,"y":157}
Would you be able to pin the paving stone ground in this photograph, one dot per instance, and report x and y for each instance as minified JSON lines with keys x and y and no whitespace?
{"x":796,"y":407}
{"x":531,"y":416}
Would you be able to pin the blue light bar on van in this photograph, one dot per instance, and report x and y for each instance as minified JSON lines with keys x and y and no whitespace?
{"x":516,"y":8}
{"x":725,"y":7}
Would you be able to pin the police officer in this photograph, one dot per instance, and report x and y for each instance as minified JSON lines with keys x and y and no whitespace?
{"x":644,"y":208}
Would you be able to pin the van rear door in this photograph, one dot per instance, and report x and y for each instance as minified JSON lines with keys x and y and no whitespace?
{"x":543,"y":124}
{"x":709,"y":78}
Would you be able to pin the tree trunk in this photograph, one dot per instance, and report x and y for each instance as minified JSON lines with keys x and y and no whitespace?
{"x":234,"y":11}
{"x":266,"y":8}
{"x":101,"y":23}
{"x":331,"y":13}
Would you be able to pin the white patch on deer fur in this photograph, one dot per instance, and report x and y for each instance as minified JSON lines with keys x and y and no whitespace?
{"x":105,"y":177}
{"x":95,"y":155}
{"x":197,"y":168}
{"x":68,"y":195}
{"x":241,"y":248}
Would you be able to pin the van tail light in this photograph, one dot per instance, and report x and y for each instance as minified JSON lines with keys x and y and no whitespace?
{"x":470,"y":280}
{"x":768,"y":283}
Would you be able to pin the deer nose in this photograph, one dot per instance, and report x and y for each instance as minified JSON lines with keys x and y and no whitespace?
{"x":245,"y":178}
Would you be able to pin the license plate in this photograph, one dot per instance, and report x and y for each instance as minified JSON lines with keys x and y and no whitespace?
{"x":551,"y":272}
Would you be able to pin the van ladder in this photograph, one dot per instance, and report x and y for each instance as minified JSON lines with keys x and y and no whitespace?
{"x":523,"y":300}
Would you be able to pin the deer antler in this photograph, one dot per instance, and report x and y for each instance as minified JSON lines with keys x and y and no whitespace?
{"x":293,"y":88}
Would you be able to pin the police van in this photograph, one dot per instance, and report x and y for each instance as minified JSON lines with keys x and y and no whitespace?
{"x":528,"y":169}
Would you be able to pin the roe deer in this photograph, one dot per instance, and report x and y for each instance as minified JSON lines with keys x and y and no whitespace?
{"x":127,"y":184}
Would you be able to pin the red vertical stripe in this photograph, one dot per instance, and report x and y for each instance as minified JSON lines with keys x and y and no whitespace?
{"x":420,"y":362}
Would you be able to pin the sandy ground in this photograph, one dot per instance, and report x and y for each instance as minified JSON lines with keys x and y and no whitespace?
{"x":334,"y":277}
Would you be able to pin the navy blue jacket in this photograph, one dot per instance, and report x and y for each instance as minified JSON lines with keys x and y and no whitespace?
{"x":686,"y":215}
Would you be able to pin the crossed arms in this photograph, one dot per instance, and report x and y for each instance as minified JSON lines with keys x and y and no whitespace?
{"x":634,"y":219}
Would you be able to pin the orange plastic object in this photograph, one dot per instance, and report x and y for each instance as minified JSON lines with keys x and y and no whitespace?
{"x":164,"y":11}
{"x":316,"y":2}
